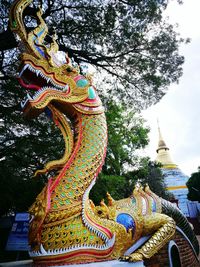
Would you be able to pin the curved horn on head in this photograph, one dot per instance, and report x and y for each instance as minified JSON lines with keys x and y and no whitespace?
{"x":33,"y":41}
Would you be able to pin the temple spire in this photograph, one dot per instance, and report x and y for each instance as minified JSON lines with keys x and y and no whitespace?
{"x":161,"y":142}
{"x":163,"y":152}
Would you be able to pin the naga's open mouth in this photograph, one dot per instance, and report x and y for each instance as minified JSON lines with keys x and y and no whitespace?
{"x":41,"y":78}
{"x":85,"y":249}
{"x":35,"y":78}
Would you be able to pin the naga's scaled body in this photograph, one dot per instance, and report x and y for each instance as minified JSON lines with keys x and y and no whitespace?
{"x":66,"y":227}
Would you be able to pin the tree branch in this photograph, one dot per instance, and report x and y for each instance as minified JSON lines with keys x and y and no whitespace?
{"x":7,"y":40}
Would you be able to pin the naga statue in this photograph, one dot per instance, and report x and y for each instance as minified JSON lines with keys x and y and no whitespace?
{"x":66,"y":227}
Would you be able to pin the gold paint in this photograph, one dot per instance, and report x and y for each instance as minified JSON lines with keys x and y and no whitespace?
{"x":176,"y":187}
{"x":68,"y":137}
{"x":63,"y":215}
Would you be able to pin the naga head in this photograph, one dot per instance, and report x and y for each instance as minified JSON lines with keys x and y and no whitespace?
{"x":48,"y":71}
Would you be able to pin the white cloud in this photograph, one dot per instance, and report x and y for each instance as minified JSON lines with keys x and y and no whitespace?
{"x":179,"y":110}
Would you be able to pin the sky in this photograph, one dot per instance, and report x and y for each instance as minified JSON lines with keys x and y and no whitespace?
{"x":179,"y":110}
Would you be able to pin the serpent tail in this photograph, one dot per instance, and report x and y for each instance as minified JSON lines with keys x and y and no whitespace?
{"x":181,"y":221}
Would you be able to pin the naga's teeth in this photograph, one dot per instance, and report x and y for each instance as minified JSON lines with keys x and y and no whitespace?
{"x":42,"y":250}
{"x":20,"y":74}
{"x":29,"y":97}
{"x":22,"y":104}
{"x":39,"y":73}
{"x":31,"y":218}
{"x":66,"y":88}
{"x":111,"y":241}
{"x":23,"y":69}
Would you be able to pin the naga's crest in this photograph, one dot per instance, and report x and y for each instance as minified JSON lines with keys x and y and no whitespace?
{"x":49,"y":71}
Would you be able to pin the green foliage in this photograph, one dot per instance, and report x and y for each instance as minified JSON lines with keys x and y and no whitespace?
{"x":122,"y":186}
{"x":25,"y":146}
{"x":193,"y":185}
{"x":126,"y":134}
{"x":136,"y":54}
{"x":151,"y":174}
{"x":115,"y":185}
{"x":135,"y":50}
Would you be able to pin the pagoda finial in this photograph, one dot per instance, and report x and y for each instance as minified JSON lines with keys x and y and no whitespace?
{"x":163,"y":151}
{"x":159,"y":131}
{"x":161,"y":142}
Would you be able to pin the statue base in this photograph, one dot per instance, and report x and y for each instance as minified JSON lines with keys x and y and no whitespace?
{"x":114,"y":263}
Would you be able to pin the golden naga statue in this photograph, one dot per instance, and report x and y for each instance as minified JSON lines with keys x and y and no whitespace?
{"x":66,"y":227}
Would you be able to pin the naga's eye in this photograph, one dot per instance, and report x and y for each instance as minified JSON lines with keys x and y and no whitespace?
{"x":68,"y":69}
{"x":81,"y":81}
{"x":99,"y":212}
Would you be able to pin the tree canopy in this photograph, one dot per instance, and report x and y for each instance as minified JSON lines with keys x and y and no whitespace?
{"x":126,"y":135}
{"x":150,"y":173}
{"x":129,"y":42}
{"x":135,"y":55}
{"x":28,"y":145}
{"x":114,"y":184}
{"x":147,"y":172}
{"x":25,"y":146}
{"x":193,"y":185}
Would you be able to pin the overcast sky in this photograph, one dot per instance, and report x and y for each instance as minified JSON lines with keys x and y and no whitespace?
{"x":179,"y":109}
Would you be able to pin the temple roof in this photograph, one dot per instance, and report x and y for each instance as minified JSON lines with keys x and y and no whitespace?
{"x":163,"y":153}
